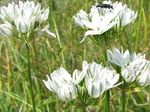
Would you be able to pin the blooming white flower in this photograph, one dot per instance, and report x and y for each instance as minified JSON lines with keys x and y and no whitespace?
{"x":77,"y":75}
{"x":99,"y":79}
{"x":103,"y":17}
{"x":133,"y":70}
{"x":65,"y":86}
{"x":62,"y":84}
{"x":144,"y":78}
{"x":126,"y":17}
{"x":131,"y":65}
{"x":118,"y":57}
{"x":26,"y":17}
{"x":24,"y":25}
{"x":9,"y":12}
{"x":6,"y":29}
{"x":44,"y":15}
{"x":94,"y":22}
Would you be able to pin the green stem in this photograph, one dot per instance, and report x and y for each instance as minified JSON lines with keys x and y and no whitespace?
{"x":29,"y":76}
{"x":107,"y":99}
{"x":139,"y":26}
{"x":37,"y":73}
{"x":128,"y":41}
{"x":149,"y":101}
{"x":82,"y":101}
{"x":124,"y":98}
{"x":59,"y":42}
{"x":107,"y":93}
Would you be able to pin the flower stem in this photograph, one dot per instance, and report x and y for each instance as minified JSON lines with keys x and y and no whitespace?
{"x":82,"y":101}
{"x":107,"y":93}
{"x":107,"y":97}
{"x":29,"y":76}
{"x":123,"y":98}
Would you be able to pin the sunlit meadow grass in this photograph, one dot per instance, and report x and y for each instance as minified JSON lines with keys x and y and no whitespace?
{"x":47,"y":54}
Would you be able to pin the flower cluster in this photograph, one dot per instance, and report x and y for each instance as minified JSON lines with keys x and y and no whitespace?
{"x":97,"y":80}
{"x":134,"y":67}
{"x":65,"y":86}
{"x":25,"y":18}
{"x":103,"y":17}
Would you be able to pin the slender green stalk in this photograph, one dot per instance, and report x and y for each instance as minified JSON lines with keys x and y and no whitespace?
{"x":83,"y":103}
{"x":123,"y":98}
{"x":37,"y":73}
{"x":139,"y":26}
{"x":59,"y":42}
{"x":107,"y":100}
{"x":29,"y":76}
{"x":107,"y":93}
{"x":128,"y":41}
{"x":149,"y":101}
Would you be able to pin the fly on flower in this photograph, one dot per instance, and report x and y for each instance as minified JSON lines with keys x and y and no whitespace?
{"x":105,"y":6}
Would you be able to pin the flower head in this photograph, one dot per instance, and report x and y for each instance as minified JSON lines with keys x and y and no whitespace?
{"x":62,"y":84}
{"x":103,"y":17}
{"x":126,"y":17}
{"x":133,"y":70}
{"x":95,"y":22}
{"x":99,"y":79}
{"x":6,"y":29}
{"x":144,"y":78}
{"x":130,"y":65}
{"x":65,"y":86}
{"x":26,"y":17}
{"x":118,"y":57}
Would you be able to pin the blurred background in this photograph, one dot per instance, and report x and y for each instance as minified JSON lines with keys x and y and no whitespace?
{"x":49,"y":53}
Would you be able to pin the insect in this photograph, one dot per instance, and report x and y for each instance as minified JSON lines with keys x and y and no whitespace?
{"x":105,"y":6}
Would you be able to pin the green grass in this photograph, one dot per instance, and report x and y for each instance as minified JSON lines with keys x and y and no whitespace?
{"x":47,"y":54}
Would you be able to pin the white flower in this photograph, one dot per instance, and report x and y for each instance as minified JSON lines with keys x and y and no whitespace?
{"x":103,"y":17}
{"x":99,"y":79}
{"x":6,"y":29}
{"x":118,"y":57}
{"x":126,"y":17}
{"x":22,"y":25}
{"x":9,"y":12}
{"x":132,"y":71}
{"x":96,"y":22}
{"x":144,"y":78}
{"x":77,"y":75}
{"x":44,"y":15}
{"x":62,"y":84}
{"x":24,"y":15}
{"x":25,"y":26}
{"x":29,"y":9}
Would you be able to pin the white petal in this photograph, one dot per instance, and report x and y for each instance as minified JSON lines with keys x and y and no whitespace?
{"x":46,"y":30}
{"x":90,"y":32}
